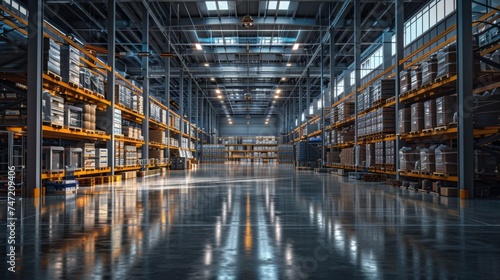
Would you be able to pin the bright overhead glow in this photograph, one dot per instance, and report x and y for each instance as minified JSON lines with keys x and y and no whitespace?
{"x":283,"y":79}
{"x":273,"y":5}
{"x":212,"y":79}
{"x":267,"y":122}
{"x":223,"y":5}
{"x":219,"y":96}
{"x":288,"y":64}
{"x":276,"y":96}
{"x":295,"y":46}
{"x":206,"y":64}
{"x":198,"y":46}
{"x":230,"y":122}
{"x":211,"y":5}
{"x":217,"y":90}
{"x":278,"y":91}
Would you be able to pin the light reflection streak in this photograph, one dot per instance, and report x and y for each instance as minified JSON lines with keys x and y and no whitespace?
{"x":228,"y":265}
{"x":267,"y":268}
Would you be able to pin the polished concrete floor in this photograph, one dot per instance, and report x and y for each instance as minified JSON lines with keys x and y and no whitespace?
{"x":253,"y":222}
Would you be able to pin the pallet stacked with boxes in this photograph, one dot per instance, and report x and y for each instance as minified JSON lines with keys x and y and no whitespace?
{"x":70,"y":64}
{"x":89,"y":156}
{"x":285,"y":154}
{"x":213,"y":153}
{"x":102,"y":158}
{"x":119,"y":153}
{"x":52,"y":109}
{"x":13,"y":113}
{"x":51,"y":63}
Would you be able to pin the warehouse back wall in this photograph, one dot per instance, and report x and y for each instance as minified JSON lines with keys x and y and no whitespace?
{"x":257,"y":126}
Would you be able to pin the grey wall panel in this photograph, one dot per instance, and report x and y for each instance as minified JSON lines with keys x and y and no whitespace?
{"x":257,"y":127}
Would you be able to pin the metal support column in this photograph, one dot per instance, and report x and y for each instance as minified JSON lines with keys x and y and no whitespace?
{"x":399,"y":56}
{"x":465,"y":106}
{"x":190,"y":108}
{"x":110,"y":91}
{"x":323,"y":103}
{"x":357,"y":76}
{"x":34,"y":122}
{"x":301,"y":109}
{"x":145,"y":83}
{"x":387,"y":49}
{"x":167,"y":92}
{"x":333,"y":65}
{"x":203,"y":120}
{"x":197,"y":119}
{"x":308,"y":92}
{"x":181,"y":105}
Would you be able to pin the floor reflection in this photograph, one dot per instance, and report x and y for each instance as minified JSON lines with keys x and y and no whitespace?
{"x":242,"y":222}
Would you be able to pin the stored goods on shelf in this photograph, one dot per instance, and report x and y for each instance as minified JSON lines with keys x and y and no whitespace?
{"x":73,"y":116}
{"x":379,"y":153}
{"x":332,"y":157}
{"x":370,"y":155}
{"x":53,"y":158}
{"x":429,"y":70}
{"x":407,"y":158}
{"x":70,"y":64}
{"x":416,"y":78}
{"x":345,"y":110}
{"x":383,"y":89}
{"x":52,"y":109}
{"x":445,"y":108}
{"x":417,"y":117}
{"x":52,"y":57}
{"x":447,"y":61}
{"x":405,"y":81}
{"x":446,"y":160}
{"x":74,"y":158}
{"x":404,"y":125}
{"x":430,"y":114}
{"x":486,"y":109}
{"x":428,"y":160}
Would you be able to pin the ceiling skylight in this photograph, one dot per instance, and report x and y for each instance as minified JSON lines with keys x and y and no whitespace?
{"x":273,"y":5}
{"x":212,"y":5}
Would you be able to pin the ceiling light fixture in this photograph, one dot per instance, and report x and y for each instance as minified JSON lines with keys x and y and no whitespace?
{"x":295,"y":46}
{"x":283,"y":79}
{"x":219,"y":96}
{"x":212,"y":79}
{"x":206,"y":64}
{"x":217,"y":91}
{"x":288,"y":64}
{"x":278,"y":91}
{"x":247,"y":22}
{"x":198,"y":46}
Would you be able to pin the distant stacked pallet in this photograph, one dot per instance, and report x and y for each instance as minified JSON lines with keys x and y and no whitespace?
{"x":119,"y":153}
{"x":89,"y":156}
{"x":52,"y":109}
{"x":74,"y":157}
{"x":212,"y":153}
{"x":14,"y":113}
{"x":132,"y":129}
{"x":307,"y":151}
{"x":102,"y":158}
{"x":376,"y":122}
{"x":70,"y":64}
{"x":88,"y":116}
{"x":52,"y":57}
{"x":345,"y":110}
{"x":383,"y":89}
{"x":379,"y":153}
{"x":129,"y":98}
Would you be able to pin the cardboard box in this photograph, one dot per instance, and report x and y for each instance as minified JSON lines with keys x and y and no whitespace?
{"x":450,"y":192}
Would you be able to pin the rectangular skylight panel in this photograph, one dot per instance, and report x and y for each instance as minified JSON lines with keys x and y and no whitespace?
{"x":223,"y":5}
{"x":273,"y":5}
{"x":284,"y":5}
{"x":211,"y":6}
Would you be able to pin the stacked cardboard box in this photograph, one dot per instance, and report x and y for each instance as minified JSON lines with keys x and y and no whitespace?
{"x":427,"y":160}
{"x":347,"y":156}
{"x":52,"y":109}
{"x":70,"y":64}
{"x":156,"y":154}
{"x":51,"y":57}
{"x":73,"y":116}
{"x":119,"y":153}
{"x":446,"y":160}
{"x":102,"y":158}
{"x":370,"y":155}
{"x":383,"y":89}
{"x":416,"y":78}
{"x":447,"y":61}
{"x":332,"y":157}
{"x":390,"y":149}
{"x":430,"y":114}
{"x":130,"y":155}
{"x":89,"y":155}
{"x":345,"y":110}
{"x":379,"y":153}
{"x":446,"y":106}
{"x":360,"y":155}
{"x":408,"y":158}
{"x":417,"y":117}
{"x":405,"y":81}
{"x":404,"y":125}
{"x":88,"y":115}
{"x":429,"y":70}
{"x":157,"y":136}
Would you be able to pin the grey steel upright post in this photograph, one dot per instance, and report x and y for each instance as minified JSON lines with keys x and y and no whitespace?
{"x":189,"y":109}
{"x":145,"y":83}
{"x":322,"y":92}
{"x":167,"y":93}
{"x":34,"y":102}
{"x":111,"y":76}
{"x":357,"y":69}
{"x":399,"y":56}
{"x":465,"y":106}
{"x":181,"y":106}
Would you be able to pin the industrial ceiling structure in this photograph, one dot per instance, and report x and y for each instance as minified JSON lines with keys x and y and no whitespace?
{"x":246,"y":57}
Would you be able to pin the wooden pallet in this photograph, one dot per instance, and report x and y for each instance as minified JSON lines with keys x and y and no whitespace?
{"x":442,"y":78}
{"x":426,"y":173}
{"x":74,"y":85}
{"x":86,"y":182}
{"x":390,"y":99}
{"x":379,"y":102}
{"x":439,"y":128}
{"x":414,"y":132}
{"x":56,"y":126}
{"x":54,"y":75}
{"x":428,"y":130}
{"x":75,"y":129}
{"x":415,"y":172}
{"x":444,"y":174}
{"x":453,"y":124}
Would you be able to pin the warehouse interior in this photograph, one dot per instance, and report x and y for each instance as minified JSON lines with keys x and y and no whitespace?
{"x":249,"y":139}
